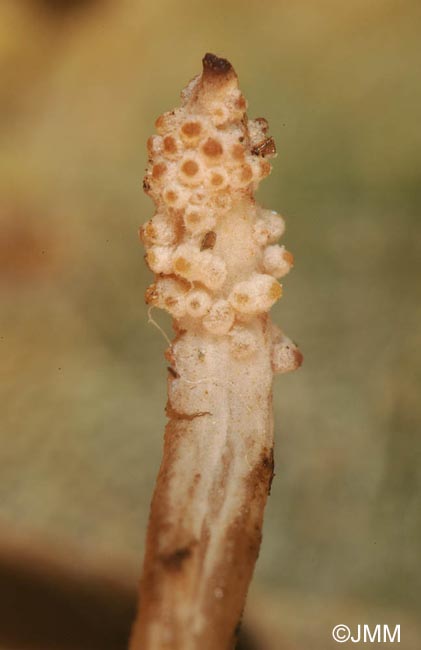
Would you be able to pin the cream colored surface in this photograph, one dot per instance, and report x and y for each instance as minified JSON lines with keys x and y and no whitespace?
{"x":206,"y":516}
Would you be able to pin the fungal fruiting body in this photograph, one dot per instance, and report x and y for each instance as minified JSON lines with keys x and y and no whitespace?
{"x":217,"y":265}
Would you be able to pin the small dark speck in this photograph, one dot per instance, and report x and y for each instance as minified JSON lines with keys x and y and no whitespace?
{"x":58,"y":368}
{"x":42,"y":252}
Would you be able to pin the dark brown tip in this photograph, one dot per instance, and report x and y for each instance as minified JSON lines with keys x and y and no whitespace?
{"x":212,"y":64}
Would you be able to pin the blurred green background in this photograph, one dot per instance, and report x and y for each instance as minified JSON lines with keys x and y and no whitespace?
{"x":83,"y":377}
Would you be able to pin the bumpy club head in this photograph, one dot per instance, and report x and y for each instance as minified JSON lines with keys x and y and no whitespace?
{"x":211,"y":246}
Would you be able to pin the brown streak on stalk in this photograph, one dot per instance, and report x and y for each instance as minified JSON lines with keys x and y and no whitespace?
{"x":174,"y":561}
{"x":223,"y":615}
{"x":173,"y":414}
